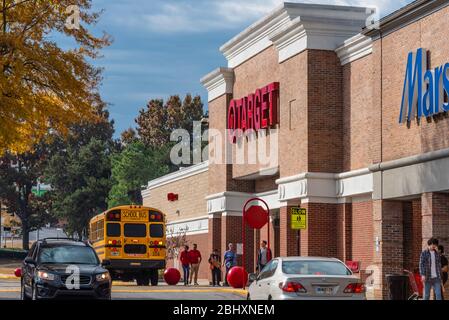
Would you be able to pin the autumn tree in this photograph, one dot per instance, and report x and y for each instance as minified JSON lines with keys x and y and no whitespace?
{"x":128,"y":136}
{"x":44,"y":87}
{"x":152,"y":124}
{"x":159,"y":119}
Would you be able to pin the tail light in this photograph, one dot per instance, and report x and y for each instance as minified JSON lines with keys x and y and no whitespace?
{"x":292,"y":287}
{"x":156,"y":216}
{"x":114,"y":216}
{"x":355,"y":288}
{"x":114,"y":242}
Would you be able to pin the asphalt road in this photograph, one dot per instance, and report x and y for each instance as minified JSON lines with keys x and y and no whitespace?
{"x":10,"y":290}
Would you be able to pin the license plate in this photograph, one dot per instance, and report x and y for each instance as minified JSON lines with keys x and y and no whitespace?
{"x":325,"y":291}
{"x":115,"y":254}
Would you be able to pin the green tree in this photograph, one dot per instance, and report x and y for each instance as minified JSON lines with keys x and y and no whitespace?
{"x":131,"y":169}
{"x":79,"y":172}
{"x":80,"y":181}
{"x":18,"y":175}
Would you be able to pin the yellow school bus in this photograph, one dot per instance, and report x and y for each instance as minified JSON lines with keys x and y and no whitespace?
{"x":131,"y":243}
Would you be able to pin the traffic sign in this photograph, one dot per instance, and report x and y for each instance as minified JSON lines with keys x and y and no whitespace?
{"x":298,"y":218}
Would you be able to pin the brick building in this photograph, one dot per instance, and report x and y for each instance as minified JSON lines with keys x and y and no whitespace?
{"x":375,"y":188}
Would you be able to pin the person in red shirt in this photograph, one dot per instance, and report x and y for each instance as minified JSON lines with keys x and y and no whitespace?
{"x":195,"y":261}
{"x":185,"y":261}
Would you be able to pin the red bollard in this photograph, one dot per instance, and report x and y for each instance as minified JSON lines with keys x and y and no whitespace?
{"x":236,"y":276}
{"x":18,"y":272}
{"x":172,"y":276}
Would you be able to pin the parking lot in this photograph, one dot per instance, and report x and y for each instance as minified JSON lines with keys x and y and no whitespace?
{"x":10,"y":290}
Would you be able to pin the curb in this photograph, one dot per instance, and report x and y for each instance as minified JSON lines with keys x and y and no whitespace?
{"x":162,"y":288}
{"x":142,"y":290}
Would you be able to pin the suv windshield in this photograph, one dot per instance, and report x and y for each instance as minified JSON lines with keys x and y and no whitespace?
{"x":315,"y":268}
{"x":67,"y":255}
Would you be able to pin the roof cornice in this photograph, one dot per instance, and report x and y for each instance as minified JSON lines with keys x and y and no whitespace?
{"x":178,"y":175}
{"x":218,"y":82}
{"x":405,"y":16}
{"x":355,"y":48}
{"x":294,"y":27}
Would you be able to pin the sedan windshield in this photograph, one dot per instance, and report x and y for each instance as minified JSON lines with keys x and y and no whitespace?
{"x":315,"y":268}
{"x":68,"y":255}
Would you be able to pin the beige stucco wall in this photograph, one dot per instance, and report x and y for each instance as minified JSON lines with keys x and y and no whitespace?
{"x":192,"y":192}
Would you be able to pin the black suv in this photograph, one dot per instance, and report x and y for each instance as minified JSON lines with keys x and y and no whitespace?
{"x":61,"y":268}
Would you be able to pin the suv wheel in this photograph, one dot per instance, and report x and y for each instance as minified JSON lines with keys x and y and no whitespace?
{"x":34,"y":293}
{"x":23,"y":295}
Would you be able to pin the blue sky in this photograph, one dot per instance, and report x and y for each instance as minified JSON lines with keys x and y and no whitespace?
{"x":163,"y":47}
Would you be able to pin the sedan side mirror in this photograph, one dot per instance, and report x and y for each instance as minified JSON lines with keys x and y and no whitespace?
{"x":252,"y":277}
{"x":30,"y":261}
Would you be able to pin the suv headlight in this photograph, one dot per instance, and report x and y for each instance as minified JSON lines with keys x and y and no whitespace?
{"x":102,"y":276}
{"x":44,"y":275}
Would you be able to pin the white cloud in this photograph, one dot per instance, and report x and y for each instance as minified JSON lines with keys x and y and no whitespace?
{"x":198,"y":16}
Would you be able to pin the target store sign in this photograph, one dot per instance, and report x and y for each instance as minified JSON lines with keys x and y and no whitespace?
{"x":258,"y":110}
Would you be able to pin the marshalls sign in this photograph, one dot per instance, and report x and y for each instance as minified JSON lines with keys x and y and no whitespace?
{"x":425,"y":91}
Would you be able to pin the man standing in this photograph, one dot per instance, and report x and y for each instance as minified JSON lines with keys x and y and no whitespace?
{"x":185,"y":261}
{"x":430,"y":269}
{"x":229,"y":261}
{"x":195,"y":261}
{"x":264,"y":256}
{"x":215,"y":267}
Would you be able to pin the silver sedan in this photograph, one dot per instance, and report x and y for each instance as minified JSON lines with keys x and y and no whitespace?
{"x":305,"y":278}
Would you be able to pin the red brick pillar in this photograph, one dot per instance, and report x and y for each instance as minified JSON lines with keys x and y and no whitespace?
{"x":435,"y":217}
{"x":288,"y":237}
{"x":213,"y":237}
{"x":389,"y":252}
{"x":320,"y":238}
{"x":417,"y":232}
{"x":231,"y":232}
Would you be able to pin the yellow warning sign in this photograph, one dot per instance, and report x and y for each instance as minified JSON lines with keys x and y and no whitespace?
{"x":299,"y":218}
